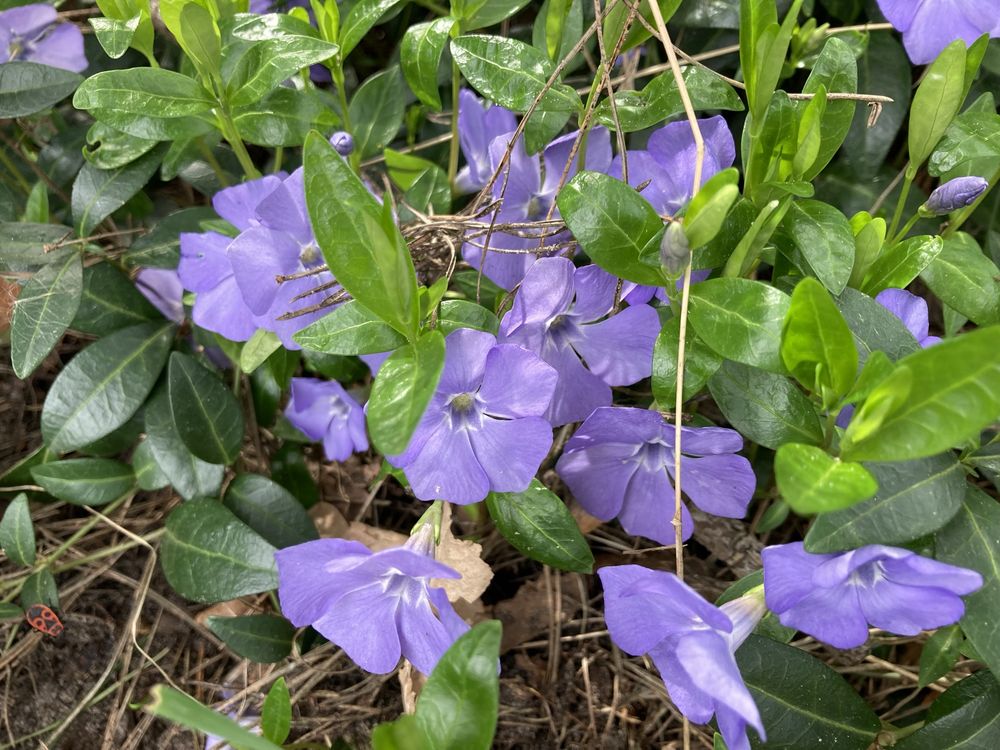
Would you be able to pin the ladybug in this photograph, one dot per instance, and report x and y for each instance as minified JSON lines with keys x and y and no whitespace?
{"x":44,"y":619}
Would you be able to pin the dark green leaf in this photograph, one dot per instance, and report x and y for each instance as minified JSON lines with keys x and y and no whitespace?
{"x":971,"y":146}
{"x":161,"y":247}
{"x":17,"y":534}
{"x":27,"y":245}
{"x":378,"y":107}
{"x":276,"y":715}
{"x":110,"y":302}
{"x":85,"y":481}
{"x":975,"y":725}
{"x":425,"y":183}
{"x":874,"y":327}
{"x":283,"y":118}
{"x":812,"y":481}
{"x":27,"y":87}
{"x":936,"y":102}
{"x":190,"y":476}
{"x":40,"y":588}
{"x":97,"y":192}
{"x":43,"y":311}
{"x":270,"y":510}
{"x":940,"y":654}
{"x":289,"y":469}
{"x":822,"y":243}
{"x":902,"y":263}
{"x":264,"y":639}
{"x":108,"y":148}
{"x":148,"y":475}
{"x":420,"y":56}
{"x":206,"y":413}
{"x":267,"y":64}
{"x":459,"y":313}
{"x":836,"y":71}
{"x":700,"y":364}
{"x":965,"y":279}
{"x":492,"y":12}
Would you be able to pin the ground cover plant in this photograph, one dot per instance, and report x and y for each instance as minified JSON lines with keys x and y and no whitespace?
{"x":564,"y":374}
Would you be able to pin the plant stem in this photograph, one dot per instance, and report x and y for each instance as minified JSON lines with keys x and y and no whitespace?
{"x":232,"y":134}
{"x":220,"y":173}
{"x":456,"y":86}
{"x":900,"y":204}
{"x":904,"y":231}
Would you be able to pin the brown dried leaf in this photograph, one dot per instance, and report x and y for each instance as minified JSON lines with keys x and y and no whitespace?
{"x":466,"y":558}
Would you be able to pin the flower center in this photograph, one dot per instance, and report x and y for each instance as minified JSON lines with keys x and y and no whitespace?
{"x":338,"y":409}
{"x":464,"y":411}
{"x":309,"y":254}
{"x":655,"y":455}
{"x":867,"y":576}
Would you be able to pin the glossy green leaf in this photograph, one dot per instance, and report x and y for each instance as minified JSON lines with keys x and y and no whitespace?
{"x":104,"y":385}
{"x":199,"y":37}
{"x":17,"y":534}
{"x":458,"y":705}
{"x":940,"y":654}
{"x":936,"y":102}
{"x":813,"y":481}
{"x":85,"y":481}
{"x":972,"y":724}
{"x":350,"y":329}
{"x":257,"y":349}
{"x":267,"y":64}
{"x":108,"y":148}
{"x":378,"y":107}
{"x":705,"y":214}
{"x":263,"y":639}
{"x":425,"y":183}
{"x":161,"y":247}
{"x":970,"y":146}
{"x":27,"y":87}
{"x":148,"y":475}
{"x":965,"y":279}
{"x":402,"y":734}
{"x":822,"y":243}
{"x":460,"y":313}
{"x":741,"y":319}
{"x":209,"y":555}
{"x":700,"y":364}
{"x":270,"y":510}
{"x":115,"y":35}
{"x":28,"y":245}
{"x":276,"y":714}
{"x":206,"y":413}
{"x":400,"y":394}
{"x":98,"y":192}
{"x":537,"y":523}
{"x":110,"y":302}
{"x":420,"y":57}
{"x":42,"y":312}
{"x":874,"y":327}
{"x":283,"y":118}
{"x":180,"y":708}
{"x":900,"y":264}
{"x":914,"y":498}
{"x":359,"y":21}
{"x":189,"y":475}
{"x":836,"y":70}
{"x":490,"y":12}
{"x":614,"y":23}
{"x":143,"y":91}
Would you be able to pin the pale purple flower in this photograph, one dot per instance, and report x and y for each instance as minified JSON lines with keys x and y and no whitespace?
{"x":163,"y":288}
{"x":954,"y":194}
{"x":376,"y":606}
{"x":928,"y":26}
{"x":690,"y":641}
{"x":531,"y":189}
{"x":323,"y":410}
{"x":620,"y":463}
{"x":248,"y":721}
{"x":343,"y":142}
{"x":668,"y":162}
{"x":637,"y":294}
{"x":560,"y":313}
{"x":835,"y":597}
{"x":483,"y":429}
{"x":478,"y":125}
{"x":32,"y":33}
{"x":910,"y":309}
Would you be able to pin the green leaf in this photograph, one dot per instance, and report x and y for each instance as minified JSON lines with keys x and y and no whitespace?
{"x":40,"y":588}
{"x":43,"y":311}
{"x":425,"y":183}
{"x":707,"y":211}
{"x":148,"y":475}
{"x":85,"y":481}
{"x":27,"y":245}
{"x":209,"y":555}
{"x":741,"y":319}
{"x":152,"y":126}
{"x":270,"y":510}
{"x":17,"y":534}
{"x":182,"y":709}
{"x":874,"y":327}
{"x":289,"y":469}
{"x":27,"y":87}
{"x":940,"y":654}
{"x":378,"y":107}
{"x":766,"y":408}
{"x":902,"y":263}
{"x":257,"y":349}
{"x":98,"y":192}
{"x":363,"y":15}
{"x":276,"y":715}
{"x":965,"y":279}
{"x":460,"y":313}
{"x":161,"y":247}
{"x":402,"y":734}
{"x":970,"y":146}
{"x":936,"y":102}
{"x":934,"y":403}
{"x":267,"y":64}
{"x":110,"y":302}
{"x":914,"y":498}
{"x":402,"y":390}
{"x":614,"y":225}
{"x":208,"y":417}
{"x":700,"y":364}
{"x":10,"y":611}
{"x":108,"y":148}
{"x":190,"y":476}
{"x":154,"y":92}
{"x":802,"y":702}
{"x":115,"y":35}
{"x":822,"y":243}
{"x":365,"y":252}
{"x":660,"y":99}
{"x":973,"y":724}
{"x":283,"y":118}
{"x":511,"y":73}
{"x":970,"y":541}
{"x":490,"y":12}
{"x":458,"y":705}
{"x":349,"y":329}
{"x":816,"y":345}
{"x":420,"y":57}
{"x":264,"y":639}
{"x":104,"y":385}
{"x":200,"y":39}
{"x":836,"y":70}
{"x":812,"y":481}
{"x":538,"y":524}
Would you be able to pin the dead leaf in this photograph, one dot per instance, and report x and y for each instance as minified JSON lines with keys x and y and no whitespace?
{"x":466,"y":558}
{"x":584,"y":520}
{"x":232,"y":608}
{"x":411,"y":682}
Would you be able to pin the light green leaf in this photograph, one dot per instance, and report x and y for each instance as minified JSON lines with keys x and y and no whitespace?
{"x":17,"y":534}
{"x":420,"y":57}
{"x":349,"y":329}
{"x":902,"y":263}
{"x":812,"y":481}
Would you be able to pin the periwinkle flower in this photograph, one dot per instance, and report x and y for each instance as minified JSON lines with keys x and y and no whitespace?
{"x":620,"y":463}
{"x":343,"y":142}
{"x":483,"y":429}
{"x":910,"y":309}
{"x":324,"y":411}
{"x":376,"y":606}
{"x":928,"y":26}
{"x":560,"y":314}
{"x":478,"y":125}
{"x":953,"y":195}
{"x":835,"y":597}
{"x":31,"y":33}
{"x":690,"y":641}
{"x":637,"y":294}
{"x":163,"y":288}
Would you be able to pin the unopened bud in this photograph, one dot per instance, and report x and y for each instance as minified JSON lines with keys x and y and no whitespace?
{"x":343,"y":142}
{"x":953,"y":195}
{"x":675,"y":252}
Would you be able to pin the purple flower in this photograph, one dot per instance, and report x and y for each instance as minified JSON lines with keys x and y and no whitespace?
{"x":910,"y":309}
{"x":621,"y":463}
{"x":531,"y":191}
{"x":478,"y":125}
{"x":637,"y":294}
{"x":376,"y":606}
{"x":835,"y":597}
{"x":928,"y":26}
{"x":163,"y":288}
{"x":323,"y":410}
{"x":954,"y":194}
{"x":558,"y":313}
{"x":690,"y":641}
{"x":31,"y":33}
{"x":483,"y":429}
{"x":668,"y":163}
{"x":249,"y":721}
{"x":343,"y":142}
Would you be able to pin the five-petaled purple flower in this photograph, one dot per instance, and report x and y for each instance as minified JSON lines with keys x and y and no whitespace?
{"x":483,"y":429}
{"x":31,"y":33}
{"x":910,"y":309}
{"x":559,"y":313}
{"x":478,"y":125}
{"x":621,"y":461}
{"x":928,"y":26}
{"x":323,"y":410}
{"x":834,"y":597}
{"x":690,"y":641}
{"x":376,"y":606}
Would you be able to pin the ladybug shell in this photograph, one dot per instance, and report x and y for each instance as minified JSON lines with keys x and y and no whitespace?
{"x":44,"y":619}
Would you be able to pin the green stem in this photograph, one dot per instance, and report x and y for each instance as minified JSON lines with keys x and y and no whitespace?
{"x":279,"y":154}
{"x":829,"y":428}
{"x":206,"y":152}
{"x":969,"y":210}
{"x":15,"y":172}
{"x":456,"y":86}
{"x":432,"y":6}
{"x":901,"y":203}
{"x":904,"y":231}
{"x":232,"y":134}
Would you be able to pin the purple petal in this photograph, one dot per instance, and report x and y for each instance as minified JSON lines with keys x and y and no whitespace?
{"x":310,"y":406}
{"x":546,"y":291}
{"x":917,"y":570}
{"x":838,"y":568}
{"x":578,"y":393}
{"x":617,"y":424}
{"x":937,"y":24}
{"x":598,"y":477}
{"x":478,"y":125}
{"x":686,"y":693}
{"x":307,"y":582}
{"x":907,"y":610}
{"x":706,"y":657}
{"x":62,"y":47}
{"x":204,"y":263}
{"x":720,"y":485}
{"x":258,"y":255}
{"x":648,"y":509}
{"x":375,"y":646}
{"x":595,"y":292}
{"x":460,"y":479}
{"x":284,"y":209}
{"x":516,"y":383}
{"x":788,"y":572}
{"x":284,"y":301}
{"x":899,"y":13}
{"x":705,"y":441}
{"x":163,"y":288}
{"x":223,"y":311}
{"x":660,"y":190}
{"x":523,"y":177}
{"x":733,"y":729}
{"x":557,"y":155}
{"x":832,"y":615}
{"x":673,"y":147}
{"x":407,"y":562}
{"x":423,"y":637}
{"x":28,"y":20}
{"x":510,"y":451}
{"x":505,"y":269}
{"x":465,"y":361}
{"x":619,"y":350}
{"x":238,"y":204}
{"x":909,"y":308}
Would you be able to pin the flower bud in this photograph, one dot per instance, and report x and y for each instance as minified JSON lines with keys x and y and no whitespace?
{"x":675,"y":252}
{"x":953,"y":195}
{"x":343,"y":142}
